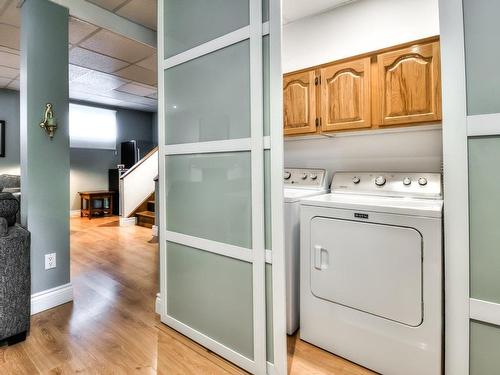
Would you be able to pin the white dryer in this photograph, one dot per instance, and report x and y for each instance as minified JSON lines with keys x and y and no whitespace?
{"x":372,"y":271}
{"x":299,"y":183}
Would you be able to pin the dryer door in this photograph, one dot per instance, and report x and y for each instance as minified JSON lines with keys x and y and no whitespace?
{"x":374,"y":268}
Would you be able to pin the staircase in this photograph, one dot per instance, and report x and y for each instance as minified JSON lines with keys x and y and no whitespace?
{"x":146,"y":213}
{"x":137,"y":192}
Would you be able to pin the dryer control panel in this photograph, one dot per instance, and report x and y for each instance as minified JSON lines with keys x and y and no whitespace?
{"x":307,"y":178}
{"x":412,"y":185}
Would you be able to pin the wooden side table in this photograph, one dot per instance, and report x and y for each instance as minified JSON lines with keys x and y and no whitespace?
{"x":88,"y":198}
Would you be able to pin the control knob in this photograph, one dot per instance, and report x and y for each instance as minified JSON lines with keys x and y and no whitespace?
{"x":407,"y":181}
{"x":287,"y":175}
{"x":304,"y":176}
{"x":356,"y":180}
{"x":380,"y":181}
{"x":314,"y":177}
{"x":422,"y":181}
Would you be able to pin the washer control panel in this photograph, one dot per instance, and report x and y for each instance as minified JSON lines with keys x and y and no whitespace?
{"x":415,"y":185}
{"x":305,"y":178}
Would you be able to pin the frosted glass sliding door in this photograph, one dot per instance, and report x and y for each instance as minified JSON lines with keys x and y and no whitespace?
{"x":220,"y":170}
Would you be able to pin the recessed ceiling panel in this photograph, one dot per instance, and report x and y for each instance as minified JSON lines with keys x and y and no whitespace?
{"x":138,"y":74}
{"x":6,"y":72}
{"x":92,"y":60}
{"x":108,"y":4}
{"x":4,"y":82}
{"x":11,"y":14}
{"x":9,"y":36}
{"x":117,"y":46}
{"x":149,"y":63}
{"x":142,"y":12}
{"x":9,"y":59}
{"x":100,"y":81}
{"x":137,"y":89}
{"x":79,"y":30}
{"x":14,"y":85}
{"x":76,"y":72}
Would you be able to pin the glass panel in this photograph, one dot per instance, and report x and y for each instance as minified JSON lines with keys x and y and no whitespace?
{"x":482,"y":35}
{"x":265,"y":10}
{"x":266,"y":83}
{"x":209,"y":196}
{"x":191,"y":23}
{"x":484,"y":185}
{"x":269,"y":314}
{"x":212,"y":294}
{"x":267,"y":199}
{"x":208,"y":98}
{"x":484,"y":344}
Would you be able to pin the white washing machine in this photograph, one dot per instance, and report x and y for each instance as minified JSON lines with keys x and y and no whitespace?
{"x":299,"y":183}
{"x":372,"y":271}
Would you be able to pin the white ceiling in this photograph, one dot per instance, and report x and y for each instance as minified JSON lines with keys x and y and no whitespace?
{"x":105,"y":68}
{"x":142,"y":12}
{"x":294,"y":10}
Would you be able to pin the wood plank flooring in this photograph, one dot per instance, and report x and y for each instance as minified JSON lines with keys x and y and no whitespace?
{"x":111,"y":327}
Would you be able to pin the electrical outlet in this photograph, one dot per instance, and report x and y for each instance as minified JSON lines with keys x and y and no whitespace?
{"x":50,"y":261}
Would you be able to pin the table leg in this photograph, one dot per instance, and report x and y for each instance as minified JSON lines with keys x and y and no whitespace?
{"x":90,"y":207}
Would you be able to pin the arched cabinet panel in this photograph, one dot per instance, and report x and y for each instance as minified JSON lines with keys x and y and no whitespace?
{"x":299,"y":103}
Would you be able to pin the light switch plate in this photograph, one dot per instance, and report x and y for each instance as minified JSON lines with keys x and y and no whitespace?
{"x":50,"y":261}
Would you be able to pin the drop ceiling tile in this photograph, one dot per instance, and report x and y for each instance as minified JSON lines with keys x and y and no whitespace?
{"x":4,"y":82}
{"x":9,"y":59}
{"x":149,"y":63}
{"x":137,"y":89}
{"x":108,"y":4}
{"x":76,"y":72}
{"x":9,"y":36}
{"x":12,"y":14}
{"x":14,"y":85}
{"x":117,"y":46}
{"x":79,"y":30}
{"x":137,"y":74}
{"x":6,"y":72}
{"x":89,"y":59}
{"x":101,"y":82}
{"x":142,"y":12}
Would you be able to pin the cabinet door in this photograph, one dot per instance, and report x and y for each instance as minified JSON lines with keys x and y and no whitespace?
{"x":409,"y":82}
{"x":299,"y":102}
{"x":345,"y":96}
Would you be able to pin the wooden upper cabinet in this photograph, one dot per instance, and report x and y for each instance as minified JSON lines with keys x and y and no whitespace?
{"x":409,"y":85}
{"x":346,"y":95}
{"x":299,"y":103}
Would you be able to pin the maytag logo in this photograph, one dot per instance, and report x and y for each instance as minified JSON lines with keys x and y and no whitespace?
{"x":360,"y":216}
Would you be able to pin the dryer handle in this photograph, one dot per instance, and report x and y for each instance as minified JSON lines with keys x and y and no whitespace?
{"x":321,"y":260}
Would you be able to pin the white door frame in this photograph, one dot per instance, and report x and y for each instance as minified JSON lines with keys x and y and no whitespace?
{"x":456,"y":192}
{"x":257,"y":143}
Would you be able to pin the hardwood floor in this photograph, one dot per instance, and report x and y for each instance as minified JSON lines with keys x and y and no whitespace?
{"x":111,"y":327}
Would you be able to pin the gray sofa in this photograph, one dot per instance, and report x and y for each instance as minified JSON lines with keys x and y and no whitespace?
{"x":11,"y":184}
{"x":15,"y":281}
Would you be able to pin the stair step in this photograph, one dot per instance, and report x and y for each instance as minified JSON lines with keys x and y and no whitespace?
{"x":148,"y":214}
{"x":151,"y":202}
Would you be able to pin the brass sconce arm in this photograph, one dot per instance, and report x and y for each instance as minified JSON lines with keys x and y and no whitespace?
{"x":49,"y":123}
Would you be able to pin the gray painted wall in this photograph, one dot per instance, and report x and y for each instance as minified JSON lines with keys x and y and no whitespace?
{"x":9,"y":111}
{"x":89,"y":167}
{"x":45,"y":162}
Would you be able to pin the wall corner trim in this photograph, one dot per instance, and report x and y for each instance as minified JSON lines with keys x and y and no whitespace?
{"x":47,"y":299}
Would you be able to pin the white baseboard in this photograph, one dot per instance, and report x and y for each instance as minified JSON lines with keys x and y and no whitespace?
{"x":50,"y":298}
{"x":128,"y":221}
{"x":155,"y":230}
{"x":158,"y":304}
{"x":74,"y":213}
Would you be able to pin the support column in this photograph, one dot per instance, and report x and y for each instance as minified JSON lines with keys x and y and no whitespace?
{"x":45,"y":161}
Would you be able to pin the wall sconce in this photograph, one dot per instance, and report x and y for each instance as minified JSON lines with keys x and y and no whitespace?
{"x":49,"y":123}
